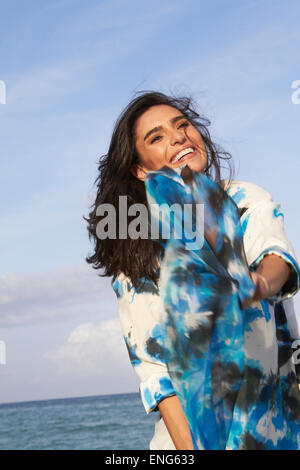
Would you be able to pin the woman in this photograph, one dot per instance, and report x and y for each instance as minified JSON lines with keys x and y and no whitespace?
{"x":154,"y":132}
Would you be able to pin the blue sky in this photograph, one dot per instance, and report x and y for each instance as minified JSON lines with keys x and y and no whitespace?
{"x":69,"y":68}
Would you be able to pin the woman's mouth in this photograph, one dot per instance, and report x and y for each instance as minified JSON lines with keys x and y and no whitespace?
{"x":183,"y":155}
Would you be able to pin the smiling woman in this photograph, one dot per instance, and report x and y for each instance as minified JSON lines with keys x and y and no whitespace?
{"x":130,"y":156}
{"x":172,"y":142}
{"x":209,"y":331}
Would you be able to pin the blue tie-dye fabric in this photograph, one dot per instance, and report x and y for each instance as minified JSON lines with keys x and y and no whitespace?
{"x":203,"y":325}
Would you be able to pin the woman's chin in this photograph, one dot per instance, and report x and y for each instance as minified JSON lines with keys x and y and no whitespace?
{"x":196,"y":168}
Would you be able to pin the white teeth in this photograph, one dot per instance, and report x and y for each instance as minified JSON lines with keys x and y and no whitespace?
{"x":182,"y":154}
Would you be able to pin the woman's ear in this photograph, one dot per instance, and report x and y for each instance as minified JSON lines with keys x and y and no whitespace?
{"x":138,"y":171}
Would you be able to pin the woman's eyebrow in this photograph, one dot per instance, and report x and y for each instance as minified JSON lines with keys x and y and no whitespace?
{"x":177,"y":118}
{"x":159,"y":128}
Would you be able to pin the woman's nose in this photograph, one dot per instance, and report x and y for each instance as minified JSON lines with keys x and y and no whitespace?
{"x":177,"y":137}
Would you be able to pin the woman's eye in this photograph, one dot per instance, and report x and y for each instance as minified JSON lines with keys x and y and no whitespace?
{"x":183,"y":124}
{"x":155,"y":139}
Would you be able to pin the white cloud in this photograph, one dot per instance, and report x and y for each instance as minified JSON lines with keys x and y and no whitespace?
{"x":55,"y":295}
{"x":91,"y":348}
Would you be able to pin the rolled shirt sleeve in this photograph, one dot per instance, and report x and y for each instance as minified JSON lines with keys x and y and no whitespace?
{"x":262,"y":224}
{"x":139,"y":316}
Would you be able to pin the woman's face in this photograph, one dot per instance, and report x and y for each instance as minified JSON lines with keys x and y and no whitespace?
{"x":165,"y":137}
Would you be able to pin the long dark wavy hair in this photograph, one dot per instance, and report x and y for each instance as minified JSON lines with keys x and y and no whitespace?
{"x":138,"y":259}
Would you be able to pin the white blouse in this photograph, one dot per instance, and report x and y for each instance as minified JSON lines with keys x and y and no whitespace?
{"x":262,"y":223}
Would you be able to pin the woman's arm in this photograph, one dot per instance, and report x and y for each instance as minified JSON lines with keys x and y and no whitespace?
{"x":175,"y":420}
{"x":270,"y":276}
{"x":275,"y":271}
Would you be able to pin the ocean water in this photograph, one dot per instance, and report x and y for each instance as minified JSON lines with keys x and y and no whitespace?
{"x":111,"y":422}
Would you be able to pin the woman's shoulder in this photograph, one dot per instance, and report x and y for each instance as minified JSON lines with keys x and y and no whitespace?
{"x":118,"y":284}
{"x":122,"y":284}
{"x":246,"y":193}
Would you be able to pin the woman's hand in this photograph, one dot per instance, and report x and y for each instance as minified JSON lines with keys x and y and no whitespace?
{"x":262,"y":285}
{"x":269,"y":277}
{"x":262,"y":289}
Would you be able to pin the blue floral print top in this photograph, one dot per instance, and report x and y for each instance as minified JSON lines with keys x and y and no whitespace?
{"x":248,"y":396}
